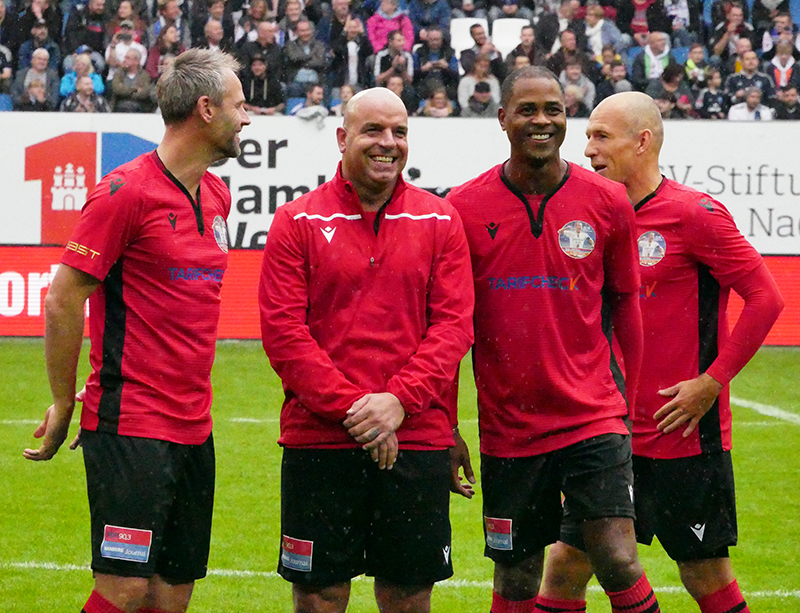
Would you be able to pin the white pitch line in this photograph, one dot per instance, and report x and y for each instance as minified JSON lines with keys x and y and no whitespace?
{"x":449,"y":583}
{"x":20,"y":422}
{"x":768,"y":410}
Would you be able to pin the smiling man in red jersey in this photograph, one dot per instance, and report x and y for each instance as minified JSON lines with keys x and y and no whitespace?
{"x":149,"y":252}
{"x":366,"y":311}
{"x":554,"y":266}
{"x":691,"y":255}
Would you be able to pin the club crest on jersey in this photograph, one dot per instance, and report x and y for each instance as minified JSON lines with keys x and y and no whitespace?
{"x":652,"y":248}
{"x":296,"y":554}
{"x":577,"y":239}
{"x":498,"y":533}
{"x":129,"y":544}
{"x":221,"y":233}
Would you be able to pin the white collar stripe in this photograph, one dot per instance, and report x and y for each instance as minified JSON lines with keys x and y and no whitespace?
{"x":419,"y":217}
{"x":335,"y":215}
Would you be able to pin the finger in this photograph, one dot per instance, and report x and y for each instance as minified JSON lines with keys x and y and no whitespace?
{"x":364,"y":434}
{"x":673,"y":422}
{"x":380,"y":439}
{"x":391,"y":455}
{"x":383,"y":454}
{"x":468,"y":472}
{"x":373,"y":453}
{"x":38,"y":455}
{"x":80,"y":395}
{"x":670,"y":391}
{"x":358,"y":404}
{"x":690,"y":428}
{"x":40,"y":429}
{"x":76,"y":442}
{"x":667,"y":409}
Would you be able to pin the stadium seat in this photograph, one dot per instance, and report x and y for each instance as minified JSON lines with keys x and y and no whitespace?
{"x":505,"y":34}
{"x":632,"y":53}
{"x":681,"y":54}
{"x":459,"y":33}
{"x":5,"y":103}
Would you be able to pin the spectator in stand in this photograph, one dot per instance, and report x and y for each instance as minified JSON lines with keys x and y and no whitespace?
{"x":82,"y":67}
{"x":34,"y":98}
{"x":601,"y":32}
{"x":86,"y":26}
{"x":480,"y":74}
{"x":607,"y":55}
{"x":573,"y":75}
{"x":783,"y":29}
{"x":510,"y":9}
{"x":38,"y":71}
{"x":33,"y":12}
{"x":313,"y":106}
{"x":787,"y":107}
{"x":8,"y":26}
{"x":40,"y":39}
{"x":131,"y":88}
{"x":720,"y":9}
{"x":671,"y":86}
{"x":214,"y":36}
{"x":469,"y":8}
{"x":569,"y":51}
{"x":722,"y":41}
{"x":406,"y":93}
{"x":782,"y":68}
{"x":287,"y":26}
{"x":215,"y":12}
{"x":351,"y":49}
{"x":764,"y":12}
{"x":480,"y":103}
{"x":696,"y":67}
{"x":168,"y":42}
{"x":483,"y":46}
{"x":551,"y":25}
{"x":712,"y":102}
{"x":394,"y":60}
{"x":333,"y":24}
{"x":6,"y":72}
{"x":426,"y":14}
{"x":649,"y":65}
{"x":736,"y":85}
{"x":616,"y":82}
{"x":346,"y":92}
{"x":435,"y":65}
{"x":527,"y":47}
{"x":121,"y":42}
{"x":389,"y":18}
{"x":437,"y":104}
{"x":573,"y":103}
{"x":262,"y":89}
{"x":312,"y":9}
{"x":751,"y":109}
{"x":304,"y":60}
{"x":734,"y":63}
{"x":246,"y":29}
{"x":126,"y":14}
{"x":169,"y":14}
{"x":265,"y":46}
{"x":684,"y":16}
{"x":638,"y":18}
{"x":84,"y":99}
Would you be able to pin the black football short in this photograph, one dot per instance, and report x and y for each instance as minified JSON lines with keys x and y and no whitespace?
{"x":688,"y":503}
{"x":522,"y":503}
{"x":341,"y":517}
{"x":151,"y":503}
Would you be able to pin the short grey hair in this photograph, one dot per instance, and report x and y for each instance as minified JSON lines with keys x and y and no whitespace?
{"x":193,"y":74}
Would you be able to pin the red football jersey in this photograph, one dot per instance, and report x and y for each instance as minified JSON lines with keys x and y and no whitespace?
{"x":543,"y":366}
{"x":153,"y":320}
{"x":690,"y":253}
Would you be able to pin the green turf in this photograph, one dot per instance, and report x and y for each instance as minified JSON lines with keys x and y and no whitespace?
{"x":44,"y":515}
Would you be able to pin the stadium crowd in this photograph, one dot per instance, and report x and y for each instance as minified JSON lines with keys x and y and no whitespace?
{"x":309,"y":57}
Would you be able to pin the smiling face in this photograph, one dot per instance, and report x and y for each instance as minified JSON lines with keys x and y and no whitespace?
{"x":373,"y":141}
{"x":534,"y":120}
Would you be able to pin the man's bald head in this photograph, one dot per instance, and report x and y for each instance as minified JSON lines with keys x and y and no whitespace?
{"x":634,"y":112}
{"x":370,"y":100}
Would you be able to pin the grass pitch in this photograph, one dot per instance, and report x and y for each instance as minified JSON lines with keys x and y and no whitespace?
{"x":44,"y":519}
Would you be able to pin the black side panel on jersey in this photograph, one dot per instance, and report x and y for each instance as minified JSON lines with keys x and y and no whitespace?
{"x":113,"y":342}
{"x":708,"y":327}
{"x":608,"y":328}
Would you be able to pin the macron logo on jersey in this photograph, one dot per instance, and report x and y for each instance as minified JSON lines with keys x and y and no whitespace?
{"x":699,"y":530}
{"x":328,"y":233}
{"x":534,"y":282}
